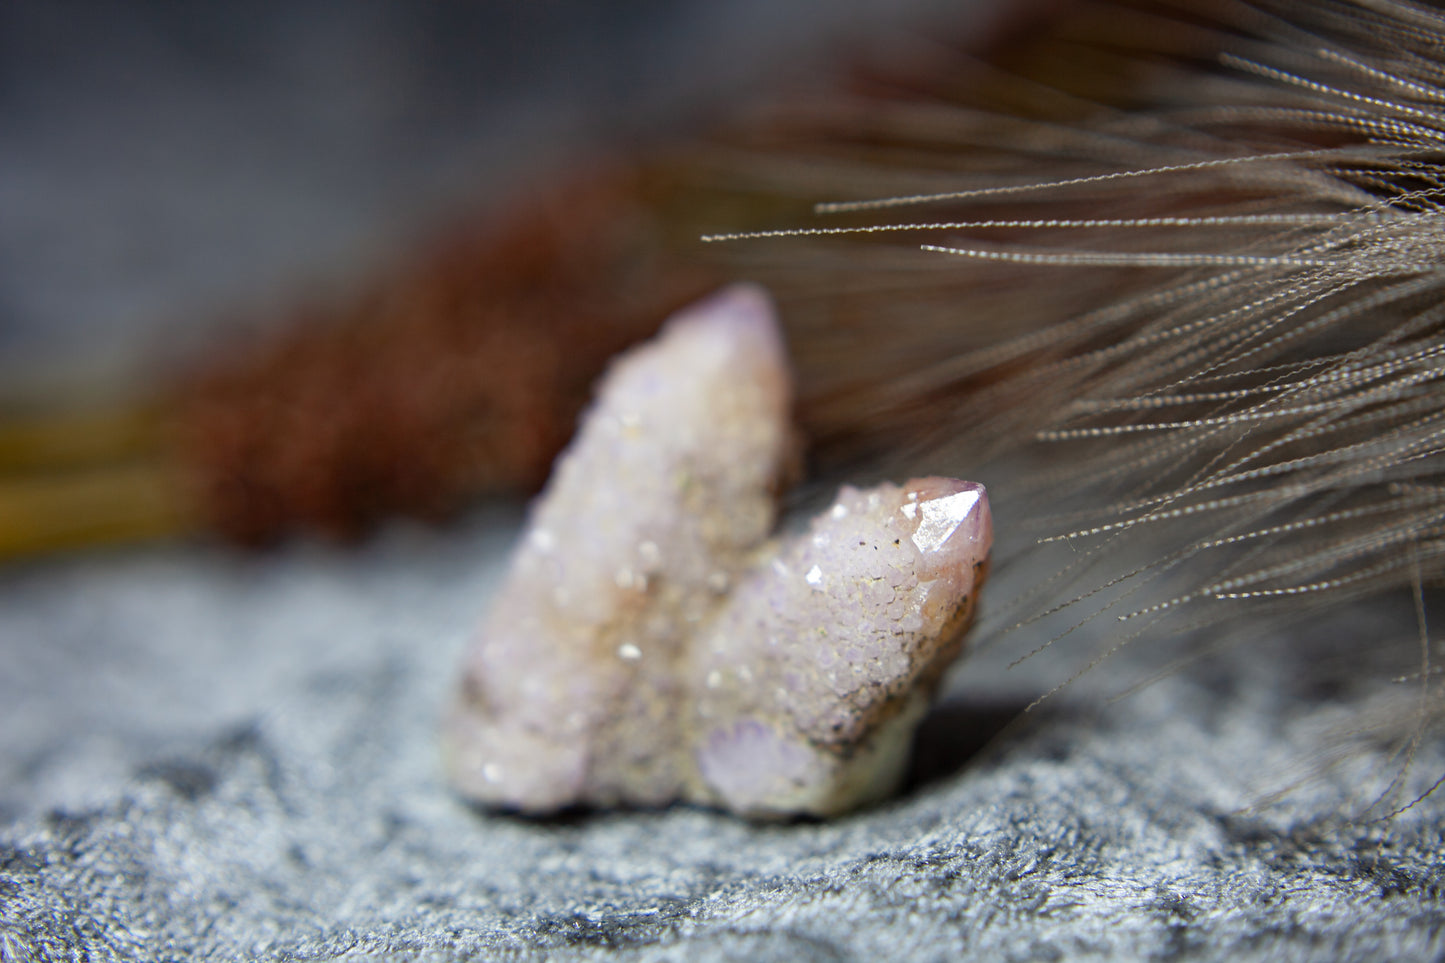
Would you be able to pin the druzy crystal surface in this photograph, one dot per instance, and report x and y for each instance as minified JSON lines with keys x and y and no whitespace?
{"x":652,"y":643}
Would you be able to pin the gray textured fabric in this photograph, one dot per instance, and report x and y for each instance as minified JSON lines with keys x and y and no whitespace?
{"x":218,"y":759}
{"x":211,"y":757}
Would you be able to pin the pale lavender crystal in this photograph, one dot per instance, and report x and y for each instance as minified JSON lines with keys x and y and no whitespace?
{"x":571,"y":692}
{"x":809,"y":682}
{"x":649,"y":644}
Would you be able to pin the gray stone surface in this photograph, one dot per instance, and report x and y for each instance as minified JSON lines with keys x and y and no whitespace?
{"x":210,"y":758}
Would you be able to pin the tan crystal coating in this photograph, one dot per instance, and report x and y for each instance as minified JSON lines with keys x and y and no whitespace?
{"x":824,"y":658}
{"x":570,"y":693}
{"x":649,"y":644}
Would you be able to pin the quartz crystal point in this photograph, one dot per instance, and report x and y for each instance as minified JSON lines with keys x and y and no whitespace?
{"x":808,"y":684}
{"x":651,"y":644}
{"x":572,"y":692}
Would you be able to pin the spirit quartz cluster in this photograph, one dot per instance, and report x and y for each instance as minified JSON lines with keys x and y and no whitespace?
{"x":652,"y":642}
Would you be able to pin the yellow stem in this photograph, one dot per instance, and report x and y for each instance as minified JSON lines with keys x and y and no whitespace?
{"x":62,"y":440}
{"x":52,"y":511}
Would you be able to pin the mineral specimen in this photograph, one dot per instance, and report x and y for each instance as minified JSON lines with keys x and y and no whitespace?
{"x":651,"y":643}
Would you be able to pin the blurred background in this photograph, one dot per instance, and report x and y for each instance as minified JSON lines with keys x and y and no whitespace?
{"x":165,"y":166}
{"x":179,"y":184}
